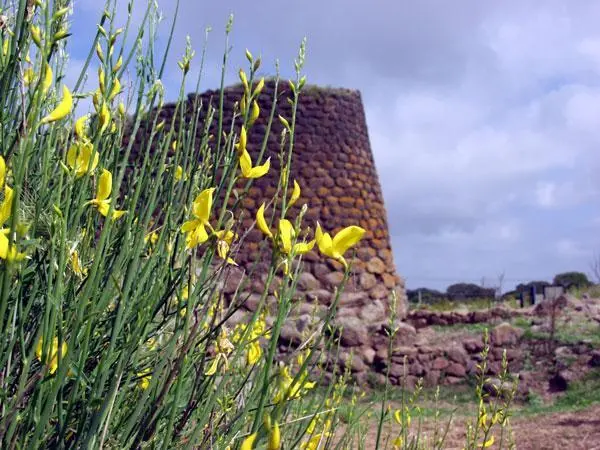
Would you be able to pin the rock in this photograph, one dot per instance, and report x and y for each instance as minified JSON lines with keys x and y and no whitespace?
{"x":405,"y":335}
{"x":232,"y":280}
{"x":457,"y":354}
{"x":354,"y":331}
{"x":416,"y":369}
{"x":252,"y":301}
{"x":323,"y":296}
{"x":289,"y":334}
{"x":505,"y":334}
{"x":454,"y":380}
{"x":473,"y":345}
{"x":334,"y":278}
{"x":374,"y":312}
{"x":439,"y":363}
{"x":404,"y":351}
{"x":367,"y":280}
{"x":378,"y":291}
{"x":432,"y":378}
{"x":397,"y":370}
{"x":368,"y":355}
{"x":353,"y":299}
{"x":594,"y":359}
{"x":376,"y":265}
{"x":456,"y":370}
{"x":494,"y":387}
{"x":389,"y":280}
{"x":352,"y":361}
{"x":308,"y":282}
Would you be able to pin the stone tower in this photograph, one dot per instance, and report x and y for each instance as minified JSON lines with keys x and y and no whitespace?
{"x":333,"y":163}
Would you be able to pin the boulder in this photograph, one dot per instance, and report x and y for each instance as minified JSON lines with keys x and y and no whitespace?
{"x":457,"y":354}
{"x":354,"y":331}
{"x":456,"y":370}
{"x":505,"y":334}
{"x":594,"y":359}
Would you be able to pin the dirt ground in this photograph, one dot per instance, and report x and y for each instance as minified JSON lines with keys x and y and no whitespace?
{"x":557,"y":431}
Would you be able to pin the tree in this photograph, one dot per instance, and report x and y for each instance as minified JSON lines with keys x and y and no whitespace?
{"x":572,"y":279}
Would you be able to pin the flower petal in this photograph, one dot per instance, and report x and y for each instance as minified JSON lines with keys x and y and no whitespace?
{"x":261,"y":222}
{"x":346,"y":238}
{"x":104,"y":185}
{"x":203,"y":204}
{"x":295,"y":194}
{"x":286,"y":234}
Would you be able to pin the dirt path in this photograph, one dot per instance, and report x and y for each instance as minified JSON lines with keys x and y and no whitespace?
{"x":557,"y":431}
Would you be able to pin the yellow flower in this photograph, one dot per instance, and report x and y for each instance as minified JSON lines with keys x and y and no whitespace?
{"x":102,"y":200}
{"x":116,"y":88}
{"x":341,"y":242}
{"x":254,"y":353}
{"x":224,"y":240}
{"x":80,"y":127}
{"x":180,"y":174}
{"x":398,"y":443}
{"x":151,"y":237}
{"x":47,"y":79}
{"x":2,"y":171}
{"x":243,"y":139}
{"x":5,"y":211}
{"x":295,"y":194}
{"x":248,"y":171}
{"x":274,"y":438}
{"x":262,"y":223}
{"x":76,"y":264}
{"x":62,"y":110}
{"x":488,"y":443}
{"x":28,"y":76}
{"x":82,"y":158}
{"x":286,"y":234}
{"x":53,"y":353}
{"x":145,"y":377}
{"x":195,"y":228}
{"x":248,"y":443}
{"x":104,"y":117}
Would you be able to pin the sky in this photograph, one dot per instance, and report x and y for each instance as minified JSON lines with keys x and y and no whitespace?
{"x":483,"y":117}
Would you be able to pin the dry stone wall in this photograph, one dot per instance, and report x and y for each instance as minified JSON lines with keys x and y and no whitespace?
{"x":333,"y":163}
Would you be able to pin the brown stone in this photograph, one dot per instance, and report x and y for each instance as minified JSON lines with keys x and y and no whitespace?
{"x":323,"y":296}
{"x":389,"y":280}
{"x":368,"y":354}
{"x":308,"y":282}
{"x":432,"y":378}
{"x":367,"y":280}
{"x":505,"y":334}
{"x":456,"y":370}
{"x":373,"y":312}
{"x":457,"y":354}
{"x":378,"y":291}
{"x":376,"y":265}
{"x":334,"y":278}
{"x":354,"y":332}
{"x":352,"y":299}
{"x":439,"y":364}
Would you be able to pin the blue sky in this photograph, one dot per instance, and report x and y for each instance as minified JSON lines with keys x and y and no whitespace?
{"x":483,"y":117}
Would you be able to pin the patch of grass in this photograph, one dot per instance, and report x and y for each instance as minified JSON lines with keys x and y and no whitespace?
{"x":580,"y":395}
{"x":473,"y":328}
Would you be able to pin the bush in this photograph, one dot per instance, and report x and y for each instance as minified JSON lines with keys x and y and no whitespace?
{"x":568,"y":280}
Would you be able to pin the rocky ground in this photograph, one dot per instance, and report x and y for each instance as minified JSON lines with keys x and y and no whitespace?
{"x":553,"y":350}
